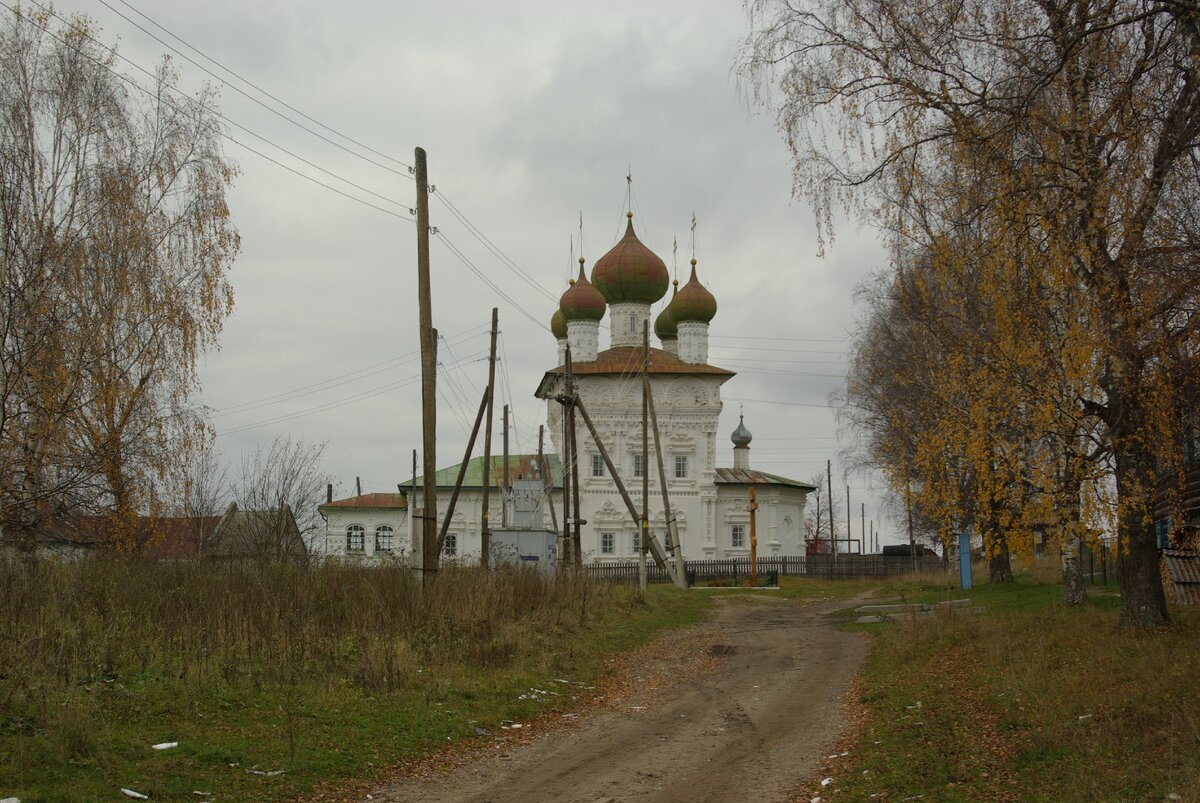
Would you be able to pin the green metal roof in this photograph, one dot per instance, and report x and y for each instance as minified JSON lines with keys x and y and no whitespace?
{"x":474,"y":477}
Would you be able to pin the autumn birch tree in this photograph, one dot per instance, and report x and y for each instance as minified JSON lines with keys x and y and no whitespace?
{"x":117,"y":243}
{"x":1081,"y":118}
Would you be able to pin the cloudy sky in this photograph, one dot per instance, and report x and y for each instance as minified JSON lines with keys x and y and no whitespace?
{"x":532,"y":114}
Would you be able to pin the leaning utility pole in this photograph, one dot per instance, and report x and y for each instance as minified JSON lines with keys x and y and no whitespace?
{"x":672,"y":527}
{"x":429,"y":562}
{"x":485,"y":528}
{"x":462,"y":472}
{"x":753,"y":535}
{"x":547,"y":477}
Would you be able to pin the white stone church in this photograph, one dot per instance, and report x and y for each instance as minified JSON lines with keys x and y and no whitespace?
{"x":709,"y":503}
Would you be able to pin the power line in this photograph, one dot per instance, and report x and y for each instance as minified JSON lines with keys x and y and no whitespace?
{"x":174,"y":105}
{"x":495,"y":249}
{"x":461,"y":257}
{"x":406,"y":173}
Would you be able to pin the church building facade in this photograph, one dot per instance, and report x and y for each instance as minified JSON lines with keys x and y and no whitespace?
{"x":709,"y":503}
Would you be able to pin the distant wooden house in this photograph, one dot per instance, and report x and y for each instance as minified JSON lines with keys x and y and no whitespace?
{"x":234,"y":535}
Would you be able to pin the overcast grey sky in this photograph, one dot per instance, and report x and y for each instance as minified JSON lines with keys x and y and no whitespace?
{"x":530,"y":113}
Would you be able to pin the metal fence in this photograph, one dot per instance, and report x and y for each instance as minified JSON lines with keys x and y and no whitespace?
{"x":828,"y":567}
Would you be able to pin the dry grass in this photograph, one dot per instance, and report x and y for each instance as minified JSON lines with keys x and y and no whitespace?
{"x":1033,"y":701}
{"x":323,"y":671}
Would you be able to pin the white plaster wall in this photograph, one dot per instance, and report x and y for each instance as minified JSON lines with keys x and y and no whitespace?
{"x":625,"y":322}
{"x":693,"y":342}
{"x":584,"y":337}
{"x":338,"y":520}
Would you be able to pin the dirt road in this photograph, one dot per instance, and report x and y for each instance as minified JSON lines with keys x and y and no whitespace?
{"x":752,"y":726}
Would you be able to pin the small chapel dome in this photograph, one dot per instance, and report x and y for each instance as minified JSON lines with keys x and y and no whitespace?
{"x":558,"y":325}
{"x":631,"y":271}
{"x":664,"y":324}
{"x":582,"y":301}
{"x":741,"y":436}
{"x":693,"y":302}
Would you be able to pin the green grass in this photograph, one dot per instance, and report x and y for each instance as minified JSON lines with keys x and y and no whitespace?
{"x":244,"y":679}
{"x":1031,"y":701}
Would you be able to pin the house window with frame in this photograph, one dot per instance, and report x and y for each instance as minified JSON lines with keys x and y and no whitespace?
{"x":681,"y":466}
{"x":356,"y":538}
{"x":608,"y":543}
{"x":633,"y":327}
{"x":737,"y":536}
{"x":383,"y":538}
{"x":450,"y":548}
{"x":635,"y":542}
{"x":597,"y":465}
{"x":639,"y":465}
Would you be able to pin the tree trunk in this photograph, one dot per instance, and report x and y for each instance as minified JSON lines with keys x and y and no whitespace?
{"x":1074,"y":592}
{"x":1143,"y":603}
{"x":996,"y":547}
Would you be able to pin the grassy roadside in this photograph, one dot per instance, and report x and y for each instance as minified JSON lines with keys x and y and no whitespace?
{"x":1032,"y":701}
{"x":324,"y":673}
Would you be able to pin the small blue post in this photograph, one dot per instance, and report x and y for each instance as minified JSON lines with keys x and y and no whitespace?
{"x":964,"y":559}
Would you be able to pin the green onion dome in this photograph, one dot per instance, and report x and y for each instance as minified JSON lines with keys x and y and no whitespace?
{"x":631,"y":271}
{"x":693,"y":302}
{"x":582,"y":301}
{"x":664,"y":324}
{"x":558,"y":325}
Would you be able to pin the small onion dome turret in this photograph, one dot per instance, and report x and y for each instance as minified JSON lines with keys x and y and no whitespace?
{"x":664,"y":324}
{"x":558,"y":325}
{"x":582,"y":301}
{"x":631,"y":271}
{"x":693,"y":302}
{"x":741,"y":436}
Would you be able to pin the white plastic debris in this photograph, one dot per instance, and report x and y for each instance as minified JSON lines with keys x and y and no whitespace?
{"x":266,"y":773}
{"x":1084,"y":718}
{"x":10,"y":800}
{"x":164,"y":745}
{"x":826,"y":781}
{"x":135,"y":795}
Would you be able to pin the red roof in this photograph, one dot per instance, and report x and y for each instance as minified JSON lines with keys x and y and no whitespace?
{"x":379,"y":500}
{"x":628,"y":359}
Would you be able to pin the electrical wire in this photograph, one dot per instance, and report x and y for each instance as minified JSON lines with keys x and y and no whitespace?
{"x":224,"y":134}
{"x":407,"y":173}
{"x":461,"y":257}
{"x":495,"y":249}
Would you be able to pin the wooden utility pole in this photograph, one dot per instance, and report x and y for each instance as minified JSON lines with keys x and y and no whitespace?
{"x":576,"y":521}
{"x":567,"y":400}
{"x":506,"y":486}
{"x":753,"y":536}
{"x":358,"y":486}
{"x":462,"y":473}
{"x":429,"y":562}
{"x":865,"y":543}
{"x":672,"y":527}
{"x":418,"y":557}
{"x":644,"y":529}
{"x":847,"y":517}
{"x":829,"y":483}
{"x":485,"y":527}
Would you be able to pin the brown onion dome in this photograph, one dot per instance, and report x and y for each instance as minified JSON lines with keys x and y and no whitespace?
{"x":664,"y":324}
{"x":558,"y":325}
{"x":693,"y":302}
{"x":631,"y":271}
{"x":582,"y":301}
